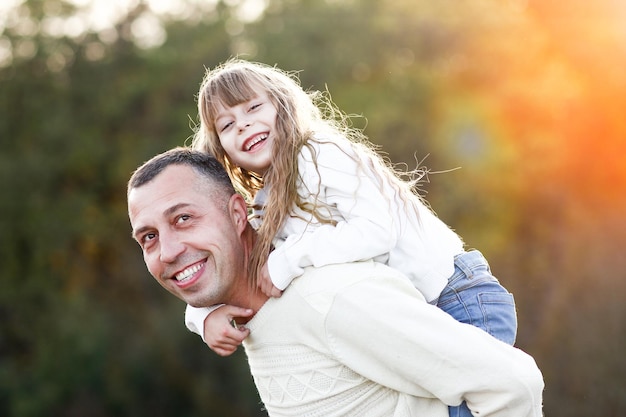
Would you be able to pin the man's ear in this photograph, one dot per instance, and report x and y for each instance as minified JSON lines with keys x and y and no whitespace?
{"x":238,"y":211}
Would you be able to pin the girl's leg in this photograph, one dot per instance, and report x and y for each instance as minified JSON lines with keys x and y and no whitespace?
{"x":474,"y":296}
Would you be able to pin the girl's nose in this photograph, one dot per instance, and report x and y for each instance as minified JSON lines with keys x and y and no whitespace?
{"x":243,"y":125}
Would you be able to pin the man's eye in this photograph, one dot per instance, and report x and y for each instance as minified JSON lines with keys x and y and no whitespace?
{"x":182,"y":218}
{"x":147,"y":238}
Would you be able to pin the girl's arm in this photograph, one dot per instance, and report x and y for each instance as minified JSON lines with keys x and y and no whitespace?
{"x":366,"y":227}
{"x":218,"y":327}
{"x":195,"y":317}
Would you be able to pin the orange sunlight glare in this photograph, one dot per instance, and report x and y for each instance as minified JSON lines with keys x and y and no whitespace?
{"x":563,"y":96}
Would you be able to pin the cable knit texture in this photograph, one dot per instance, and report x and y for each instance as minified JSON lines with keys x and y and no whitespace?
{"x":320,"y":351}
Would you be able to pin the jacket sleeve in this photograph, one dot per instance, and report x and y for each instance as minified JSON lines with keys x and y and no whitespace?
{"x":194,"y":318}
{"x":364,"y":231}
{"x":384,"y":330}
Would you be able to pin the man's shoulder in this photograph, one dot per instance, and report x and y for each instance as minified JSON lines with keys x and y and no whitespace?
{"x":337,"y":277}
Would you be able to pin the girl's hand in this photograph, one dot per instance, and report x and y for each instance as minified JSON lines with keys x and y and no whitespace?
{"x":221,"y":333}
{"x":265,"y":284}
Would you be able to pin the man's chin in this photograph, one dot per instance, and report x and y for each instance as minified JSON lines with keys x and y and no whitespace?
{"x":199,"y":302}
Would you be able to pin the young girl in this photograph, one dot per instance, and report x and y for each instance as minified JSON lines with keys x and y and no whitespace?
{"x":322,"y":195}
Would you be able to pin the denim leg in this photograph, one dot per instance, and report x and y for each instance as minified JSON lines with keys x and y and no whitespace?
{"x":474,"y":296}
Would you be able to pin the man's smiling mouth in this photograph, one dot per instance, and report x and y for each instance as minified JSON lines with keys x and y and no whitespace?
{"x":188,"y":272}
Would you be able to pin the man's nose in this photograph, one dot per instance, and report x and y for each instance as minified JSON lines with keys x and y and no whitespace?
{"x":171,"y":248}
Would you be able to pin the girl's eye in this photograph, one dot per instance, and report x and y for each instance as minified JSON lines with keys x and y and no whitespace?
{"x":256,"y":106}
{"x":226,"y":126}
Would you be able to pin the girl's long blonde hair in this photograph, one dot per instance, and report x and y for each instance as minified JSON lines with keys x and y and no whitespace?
{"x":300,"y":115}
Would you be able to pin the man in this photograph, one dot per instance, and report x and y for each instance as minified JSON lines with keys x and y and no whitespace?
{"x":344,"y":340}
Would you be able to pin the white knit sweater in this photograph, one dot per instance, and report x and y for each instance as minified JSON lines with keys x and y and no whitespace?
{"x":359,"y":340}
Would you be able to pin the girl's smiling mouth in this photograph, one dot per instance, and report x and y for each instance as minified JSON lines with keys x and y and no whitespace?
{"x":252,"y":142}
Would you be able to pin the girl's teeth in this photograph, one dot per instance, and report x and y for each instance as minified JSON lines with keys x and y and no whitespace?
{"x":255,"y":141}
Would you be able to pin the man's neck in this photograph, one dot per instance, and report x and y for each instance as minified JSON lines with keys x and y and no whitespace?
{"x":249,"y":296}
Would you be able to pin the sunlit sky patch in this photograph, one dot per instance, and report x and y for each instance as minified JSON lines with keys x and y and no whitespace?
{"x":100,"y":16}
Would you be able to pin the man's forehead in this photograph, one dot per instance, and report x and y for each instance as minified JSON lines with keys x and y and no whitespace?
{"x":172,"y":187}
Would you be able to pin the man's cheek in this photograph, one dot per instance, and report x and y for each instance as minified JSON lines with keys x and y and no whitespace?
{"x":152,"y":267}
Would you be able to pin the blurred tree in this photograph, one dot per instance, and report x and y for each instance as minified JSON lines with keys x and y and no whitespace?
{"x":511,"y":92}
{"x":85,"y":331}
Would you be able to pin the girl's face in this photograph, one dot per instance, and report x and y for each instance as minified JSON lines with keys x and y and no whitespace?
{"x":247,"y":131}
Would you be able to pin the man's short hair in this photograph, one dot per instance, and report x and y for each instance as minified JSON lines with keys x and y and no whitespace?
{"x":204,"y":164}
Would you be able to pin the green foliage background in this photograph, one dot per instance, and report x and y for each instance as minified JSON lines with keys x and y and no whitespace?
{"x":526,"y":97}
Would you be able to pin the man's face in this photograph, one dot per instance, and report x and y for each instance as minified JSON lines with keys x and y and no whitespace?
{"x":191,"y":243}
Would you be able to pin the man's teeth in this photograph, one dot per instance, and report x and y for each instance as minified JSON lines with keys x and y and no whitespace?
{"x":187,"y":273}
{"x":255,"y":141}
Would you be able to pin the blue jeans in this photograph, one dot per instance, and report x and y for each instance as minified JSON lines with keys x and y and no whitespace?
{"x":474,"y":296}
